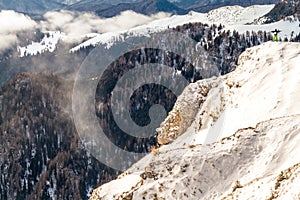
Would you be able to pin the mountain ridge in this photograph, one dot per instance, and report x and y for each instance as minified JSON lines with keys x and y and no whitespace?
{"x":145,"y":7}
{"x":31,"y":6}
{"x":35,"y":105}
{"x":207,"y":5}
{"x":259,"y":97}
{"x":106,"y":8}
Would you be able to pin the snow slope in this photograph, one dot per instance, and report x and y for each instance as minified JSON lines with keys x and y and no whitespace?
{"x":287,"y":27}
{"x":232,"y":15}
{"x":242,"y":142}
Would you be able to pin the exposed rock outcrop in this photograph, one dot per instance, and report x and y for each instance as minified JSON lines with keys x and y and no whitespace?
{"x":251,"y":149}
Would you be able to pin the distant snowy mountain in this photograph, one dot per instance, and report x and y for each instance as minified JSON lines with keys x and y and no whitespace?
{"x":144,"y":7}
{"x":207,"y":5}
{"x":107,"y":2}
{"x":90,"y":5}
{"x":232,"y":137}
{"x":69,"y":2}
{"x":233,"y":17}
{"x":282,"y":10}
{"x":108,"y":8}
{"x":31,"y":6}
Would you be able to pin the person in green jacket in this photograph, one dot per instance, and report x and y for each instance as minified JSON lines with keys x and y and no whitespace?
{"x":275,"y":38}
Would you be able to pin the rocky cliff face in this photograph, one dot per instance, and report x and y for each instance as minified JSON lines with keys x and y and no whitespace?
{"x":240,"y":143}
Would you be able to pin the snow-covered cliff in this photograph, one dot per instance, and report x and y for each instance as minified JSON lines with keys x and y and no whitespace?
{"x":232,"y":137}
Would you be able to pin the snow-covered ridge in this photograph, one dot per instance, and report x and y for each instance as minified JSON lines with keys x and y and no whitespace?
{"x":289,"y":28}
{"x":227,"y":16}
{"x":233,"y":17}
{"x":254,"y":115}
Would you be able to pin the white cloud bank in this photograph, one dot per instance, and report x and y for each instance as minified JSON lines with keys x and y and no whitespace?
{"x":12,"y":23}
{"x":76,"y":24}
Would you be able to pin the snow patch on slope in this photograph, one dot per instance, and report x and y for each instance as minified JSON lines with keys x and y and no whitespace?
{"x":48,"y":43}
{"x":231,"y":15}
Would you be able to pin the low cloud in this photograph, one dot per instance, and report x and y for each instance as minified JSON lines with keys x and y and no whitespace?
{"x":12,"y":23}
{"x":76,"y":24}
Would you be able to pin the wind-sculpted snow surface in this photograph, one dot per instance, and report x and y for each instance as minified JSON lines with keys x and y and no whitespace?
{"x":253,"y":124}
